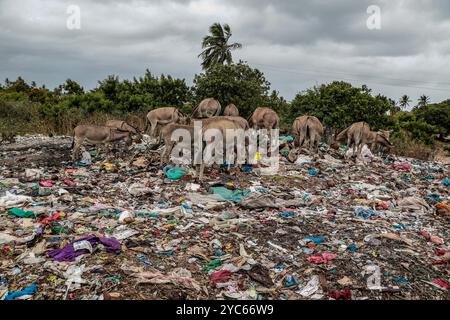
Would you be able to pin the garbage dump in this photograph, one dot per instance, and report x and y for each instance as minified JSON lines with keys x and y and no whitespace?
{"x":319,"y":228}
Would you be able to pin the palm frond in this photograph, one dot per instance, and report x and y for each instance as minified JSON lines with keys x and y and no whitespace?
{"x":216,"y":48}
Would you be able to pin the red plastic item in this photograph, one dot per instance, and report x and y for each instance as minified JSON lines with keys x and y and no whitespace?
{"x":403,"y":166}
{"x":441,"y":283}
{"x":345,"y":294}
{"x":69,"y":182}
{"x":220,"y":276}
{"x":325,"y":257}
{"x":46,"y":183}
{"x":55,"y":216}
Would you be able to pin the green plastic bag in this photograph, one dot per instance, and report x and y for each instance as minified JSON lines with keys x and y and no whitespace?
{"x":21,"y":213}
{"x":175,"y":173}
{"x":231,"y":195}
{"x":213,"y":264}
{"x":286,"y":138}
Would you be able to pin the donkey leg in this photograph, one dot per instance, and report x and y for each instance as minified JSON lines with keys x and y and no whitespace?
{"x":202,"y":169}
{"x":153,"y":125}
{"x":312,"y":144}
{"x":76,"y":150}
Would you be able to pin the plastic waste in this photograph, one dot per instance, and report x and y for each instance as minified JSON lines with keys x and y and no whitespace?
{"x":21,"y":213}
{"x":11,"y":200}
{"x":28,"y":291}
{"x":175,"y":173}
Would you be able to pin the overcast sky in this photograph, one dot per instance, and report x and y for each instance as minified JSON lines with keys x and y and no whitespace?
{"x":297,"y":44}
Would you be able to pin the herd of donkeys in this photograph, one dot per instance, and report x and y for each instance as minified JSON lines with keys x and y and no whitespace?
{"x":307,"y":131}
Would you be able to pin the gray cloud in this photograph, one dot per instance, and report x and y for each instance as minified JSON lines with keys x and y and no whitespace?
{"x":297,"y":44}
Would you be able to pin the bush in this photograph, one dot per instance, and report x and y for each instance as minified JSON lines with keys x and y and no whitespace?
{"x":143,"y":94}
{"x":339,"y":104}
{"x":407,"y":146}
{"x":27,"y":108}
{"x":437,"y":115}
{"x":418,"y":129}
{"x":19,"y":117}
{"x":237,"y":83}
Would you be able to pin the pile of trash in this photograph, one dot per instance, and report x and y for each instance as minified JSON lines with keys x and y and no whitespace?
{"x":317,"y":228}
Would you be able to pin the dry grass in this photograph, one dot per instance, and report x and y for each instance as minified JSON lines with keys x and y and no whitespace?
{"x":407,"y":147}
{"x":442,"y":154}
{"x":65,"y":123}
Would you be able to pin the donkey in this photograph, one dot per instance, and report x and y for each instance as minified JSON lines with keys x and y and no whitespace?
{"x":359,"y":134}
{"x":307,"y":129}
{"x":162,"y":116}
{"x":207,"y":108}
{"x":98,"y":135}
{"x":231,"y":110}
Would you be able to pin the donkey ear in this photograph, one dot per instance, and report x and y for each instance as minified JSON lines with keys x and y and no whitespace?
{"x":383,"y":138}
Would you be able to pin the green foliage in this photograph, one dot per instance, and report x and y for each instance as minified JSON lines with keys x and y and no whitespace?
{"x":70,"y":87}
{"x":339,"y":104}
{"x":404,"y":102}
{"x":237,"y":83}
{"x":26,"y":108}
{"x":216,"y":47}
{"x":68,"y":104}
{"x":145,"y":93}
{"x":406,"y":145}
{"x":416,"y":128}
{"x":447,"y":148}
{"x":19,"y":85}
{"x":423,"y":100}
{"x":18,"y":115}
{"x":437,"y":114}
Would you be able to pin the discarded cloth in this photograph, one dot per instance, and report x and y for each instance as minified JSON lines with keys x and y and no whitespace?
{"x":46,"y":183}
{"x":325,"y":257}
{"x":25,"y":292}
{"x":403,"y":166}
{"x":178,"y":276}
{"x":10,"y":200}
{"x":441,"y":283}
{"x":365,"y":213}
{"x":345,"y":294}
{"x":220,"y":276}
{"x":316,"y":240}
{"x":69,"y":253}
{"x":433,"y":197}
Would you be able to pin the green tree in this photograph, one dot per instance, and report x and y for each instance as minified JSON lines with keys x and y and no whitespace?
{"x":436,"y":114}
{"x":216,"y":47}
{"x":20,"y":85}
{"x":110,"y":87}
{"x":404,"y":102}
{"x":407,"y":124}
{"x":144,"y":93}
{"x":70,"y":87}
{"x":423,"y":100}
{"x":237,"y":83}
{"x":339,"y":104}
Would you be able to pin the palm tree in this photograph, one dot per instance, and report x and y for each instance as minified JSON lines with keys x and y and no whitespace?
{"x":424,"y":100}
{"x":404,"y":102}
{"x":217,"y":49}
